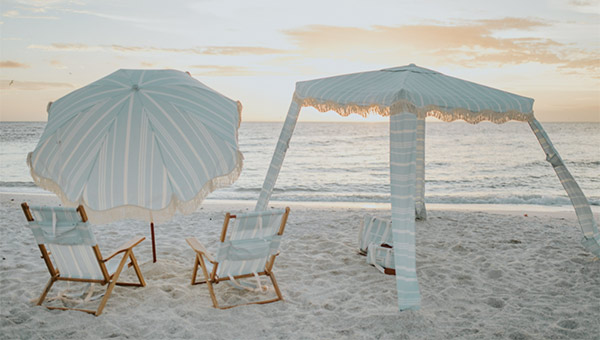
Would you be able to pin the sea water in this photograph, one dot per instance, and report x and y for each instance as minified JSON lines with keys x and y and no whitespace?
{"x":483,"y":163}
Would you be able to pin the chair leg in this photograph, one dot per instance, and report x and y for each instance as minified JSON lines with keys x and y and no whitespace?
{"x":109,"y":289}
{"x":112,"y":283}
{"x":275,"y":285}
{"x":207,"y":279}
{"x":211,"y":291}
{"x":195,"y":271}
{"x":138,"y":272}
{"x":46,"y":290}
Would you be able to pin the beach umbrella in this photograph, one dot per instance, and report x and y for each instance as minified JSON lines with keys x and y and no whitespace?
{"x":409,"y":94}
{"x":139,"y":144}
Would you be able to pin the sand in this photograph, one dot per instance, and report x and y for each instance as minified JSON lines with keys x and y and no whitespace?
{"x":483,"y":275}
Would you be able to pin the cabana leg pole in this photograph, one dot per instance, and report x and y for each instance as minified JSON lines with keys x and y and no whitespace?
{"x":589,"y":227}
{"x":420,"y":211}
{"x":278,"y":156}
{"x":403,"y":150}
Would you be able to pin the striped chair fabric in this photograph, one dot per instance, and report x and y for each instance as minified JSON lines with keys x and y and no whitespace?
{"x":252,"y":240}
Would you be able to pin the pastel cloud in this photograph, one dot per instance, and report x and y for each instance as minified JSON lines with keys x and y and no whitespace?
{"x":468,"y":44}
{"x":57,"y":64}
{"x":17,"y":15}
{"x":12,"y":64}
{"x":222,"y":70}
{"x":206,"y":50}
{"x":66,"y":47}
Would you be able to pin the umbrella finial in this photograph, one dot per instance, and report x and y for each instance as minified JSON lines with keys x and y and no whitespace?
{"x":135,"y":87}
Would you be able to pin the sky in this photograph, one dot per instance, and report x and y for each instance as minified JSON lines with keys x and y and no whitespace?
{"x":255,"y":51}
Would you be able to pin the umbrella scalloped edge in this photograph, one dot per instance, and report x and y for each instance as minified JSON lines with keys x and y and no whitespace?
{"x":140,"y":213}
{"x":421,"y":112}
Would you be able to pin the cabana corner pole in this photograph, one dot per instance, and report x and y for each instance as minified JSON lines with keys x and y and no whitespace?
{"x":420,"y":211}
{"x":280,"y":149}
{"x":589,"y":227}
{"x":403,"y":152}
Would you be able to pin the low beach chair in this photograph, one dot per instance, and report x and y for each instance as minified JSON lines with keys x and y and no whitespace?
{"x":374,"y":230}
{"x":249,"y":250}
{"x":71,"y":252}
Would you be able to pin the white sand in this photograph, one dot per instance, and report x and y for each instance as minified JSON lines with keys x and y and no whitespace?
{"x":482,"y":276}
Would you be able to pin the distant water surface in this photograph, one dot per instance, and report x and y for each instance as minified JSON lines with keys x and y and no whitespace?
{"x":349,"y":162}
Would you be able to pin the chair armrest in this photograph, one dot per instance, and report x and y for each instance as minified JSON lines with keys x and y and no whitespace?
{"x":199,"y":248}
{"x":126,"y":246}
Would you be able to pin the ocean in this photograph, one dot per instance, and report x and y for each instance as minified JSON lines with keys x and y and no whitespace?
{"x":484,"y":163}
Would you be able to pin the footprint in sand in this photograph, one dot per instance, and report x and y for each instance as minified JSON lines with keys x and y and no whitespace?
{"x":494,"y":302}
{"x":568,"y":324}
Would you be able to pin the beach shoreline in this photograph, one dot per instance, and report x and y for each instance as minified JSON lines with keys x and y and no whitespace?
{"x":483,"y":274}
{"x":511,"y":209}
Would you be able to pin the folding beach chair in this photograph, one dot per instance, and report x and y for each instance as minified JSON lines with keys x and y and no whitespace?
{"x":249,"y":250}
{"x":71,"y":252}
{"x":375,"y":241}
{"x":374,"y":230}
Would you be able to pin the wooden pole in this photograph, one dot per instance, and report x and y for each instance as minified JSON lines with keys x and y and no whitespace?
{"x":153,"y":243}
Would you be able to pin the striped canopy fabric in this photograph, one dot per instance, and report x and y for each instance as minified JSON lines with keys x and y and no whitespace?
{"x":409,"y":94}
{"x":138,"y":144}
{"x":412,"y":89}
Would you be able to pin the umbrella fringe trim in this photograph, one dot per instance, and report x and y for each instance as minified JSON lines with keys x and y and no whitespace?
{"x":421,"y":112}
{"x":136,"y":212}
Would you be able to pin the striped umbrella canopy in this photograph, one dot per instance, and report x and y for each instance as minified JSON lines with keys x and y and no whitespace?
{"x":138,"y":144}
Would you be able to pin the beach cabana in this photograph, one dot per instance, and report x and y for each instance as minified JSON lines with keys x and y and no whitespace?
{"x":139,"y":144}
{"x":408,"y":95}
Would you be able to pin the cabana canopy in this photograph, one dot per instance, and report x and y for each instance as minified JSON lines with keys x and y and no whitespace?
{"x":408,"y":95}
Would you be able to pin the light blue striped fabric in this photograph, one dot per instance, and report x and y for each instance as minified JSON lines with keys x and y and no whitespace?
{"x":589,"y":227}
{"x":420,"y":210}
{"x":408,"y":94}
{"x":374,"y":230}
{"x":69,"y":241}
{"x":415,"y":86}
{"x":151,"y":139}
{"x":252,"y":239}
{"x":60,"y":225}
{"x":403,"y":163}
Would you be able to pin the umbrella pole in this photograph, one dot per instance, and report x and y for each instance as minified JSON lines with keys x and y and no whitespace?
{"x":153,"y":244}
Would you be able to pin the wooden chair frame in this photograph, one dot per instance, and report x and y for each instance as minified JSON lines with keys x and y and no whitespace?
{"x":211,"y":278}
{"x":111,"y":280}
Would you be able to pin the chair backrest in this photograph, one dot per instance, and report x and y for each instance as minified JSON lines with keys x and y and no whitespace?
{"x":253,"y":238}
{"x":374,"y":230}
{"x":69,"y":238}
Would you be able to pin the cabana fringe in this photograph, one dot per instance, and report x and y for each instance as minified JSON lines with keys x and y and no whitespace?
{"x":421,"y":112}
{"x":135,"y":212}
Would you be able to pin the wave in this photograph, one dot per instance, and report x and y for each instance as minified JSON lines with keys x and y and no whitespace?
{"x":17,"y":184}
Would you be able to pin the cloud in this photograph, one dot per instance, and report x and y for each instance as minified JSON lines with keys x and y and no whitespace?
{"x":66,"y":47}
{"x":222,"y":70}
{"x":32,"y":85}
{"x":16,"y":15}
{"x":147,"y":64}
{"x":206,"y":50}
{"x":12,"y":64}
{"x":57,"y":64}
{"x":469,"y":44}
{"x":240,"y":50}
{"x":113,"y":17}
